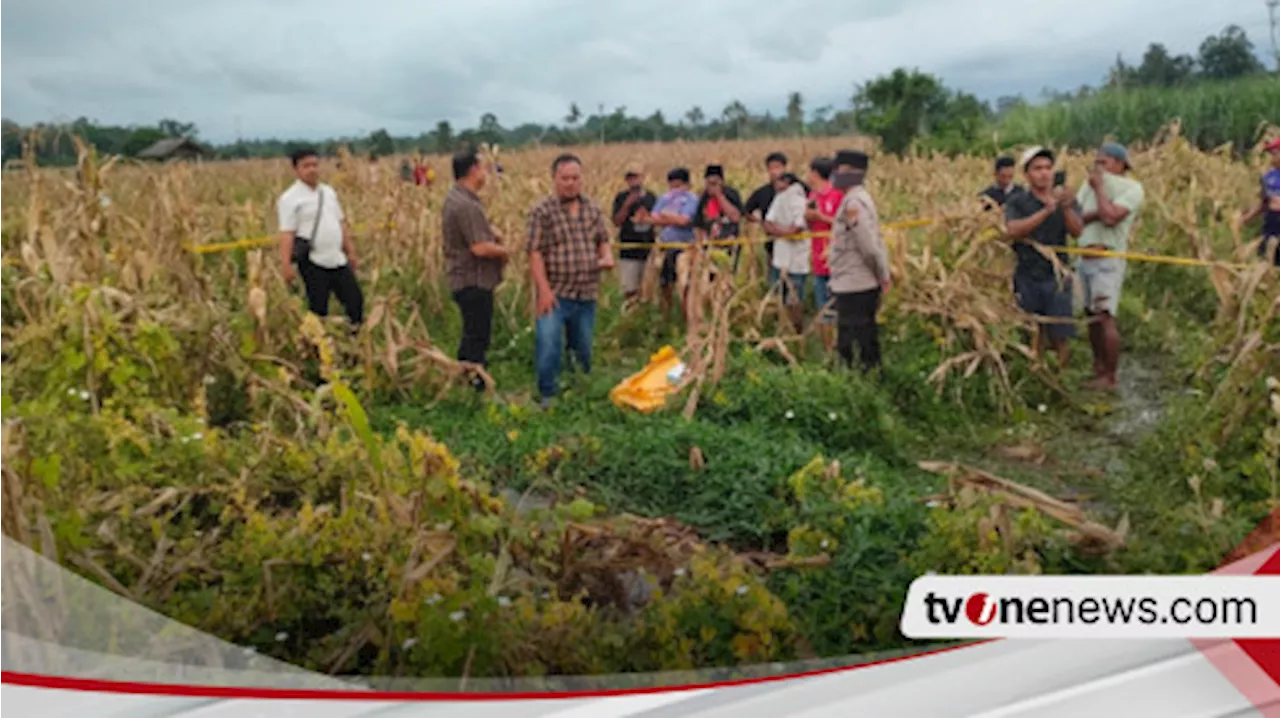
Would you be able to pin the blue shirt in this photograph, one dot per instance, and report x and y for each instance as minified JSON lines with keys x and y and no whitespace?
{"x":682,"y":202}
{"x":1271,"y":203}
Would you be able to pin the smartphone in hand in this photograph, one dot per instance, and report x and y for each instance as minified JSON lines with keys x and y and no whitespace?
{"x":1059,"y":178}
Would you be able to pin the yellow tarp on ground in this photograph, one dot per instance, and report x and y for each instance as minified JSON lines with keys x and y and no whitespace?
{"x":649,"y":388}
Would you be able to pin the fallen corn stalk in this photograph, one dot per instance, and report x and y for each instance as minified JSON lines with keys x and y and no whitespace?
{"x":1020,"y":496}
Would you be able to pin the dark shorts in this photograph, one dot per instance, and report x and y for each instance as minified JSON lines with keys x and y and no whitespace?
{"x":668,"y":277}
{"x":1045,"y":298}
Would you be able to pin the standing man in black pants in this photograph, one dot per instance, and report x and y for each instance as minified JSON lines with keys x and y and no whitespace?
{"x":475,"y":259}
{"x":858,"y":262}
{"x":315,"y":236}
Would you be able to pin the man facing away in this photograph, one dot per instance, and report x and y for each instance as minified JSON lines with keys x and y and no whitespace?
{"x":1269,"y":206}
{"x":859,"y":264}
{"x":631,"y":208}
{"x":315,"y":236}
{"x":673,"y":212}
{"x":786,"y":216}
{"x":824,"y":204}
{"x":1045,"y":214}
{"x":474,"y":257}
{"x":1109,"y":203}
{"x":568,"y":247}
{"x":758,"y":203}
{"x":1003,"y":188}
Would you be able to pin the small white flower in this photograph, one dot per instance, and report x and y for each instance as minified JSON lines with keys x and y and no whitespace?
{"x":199,"y":533}
{"x":433,"y":599}
{"x":504,"y":601}
{"x":831,"y":416}
{"x":742,"y":590}
{"x":208,"y":379}
{"x":1042,"y":408}
{"x":790,"y":414}
{"x":1273,"y":383}
{"x":679,"y":572}
{"x":72,"y":391}
{"x":197,"y":436}
{"x":825,"y":543}
{"x":84,"y":395}
{"x":366,"y":556}
{"x":408,"y":643}
{"x":457,"y":616}
{"x":933,"y":504}
{"x":282,"y":637}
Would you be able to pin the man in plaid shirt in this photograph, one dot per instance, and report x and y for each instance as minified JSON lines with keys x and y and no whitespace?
{"x":568,"y":248}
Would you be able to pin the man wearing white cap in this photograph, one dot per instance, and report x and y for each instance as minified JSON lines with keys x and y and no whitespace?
{"x":1109,"y":204}
{"x":1043,"y":215}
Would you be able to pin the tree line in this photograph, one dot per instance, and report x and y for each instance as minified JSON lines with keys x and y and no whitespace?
{"x":902,"y":108}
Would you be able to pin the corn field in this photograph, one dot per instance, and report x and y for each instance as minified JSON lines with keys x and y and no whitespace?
{"x":171,"y":416}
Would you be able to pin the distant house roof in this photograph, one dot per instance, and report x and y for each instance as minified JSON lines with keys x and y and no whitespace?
{"x":172,"y":147}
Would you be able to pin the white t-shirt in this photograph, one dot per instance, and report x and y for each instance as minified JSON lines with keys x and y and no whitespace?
{"x":297,"y":210}
{"x":787,"y":210}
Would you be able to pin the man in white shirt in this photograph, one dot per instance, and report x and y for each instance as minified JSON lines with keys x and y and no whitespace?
{"x":790,"y":257}
{"x":314,"y":234}
{"x":1109,"y":206}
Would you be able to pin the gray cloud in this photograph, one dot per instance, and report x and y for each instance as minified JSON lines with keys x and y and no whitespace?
{"x":302,"y":68}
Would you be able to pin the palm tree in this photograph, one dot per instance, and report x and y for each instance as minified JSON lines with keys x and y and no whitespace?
{"x":795,"y":112}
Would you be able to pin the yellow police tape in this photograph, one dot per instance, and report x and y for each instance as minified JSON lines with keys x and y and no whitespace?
{"x":990,"y":234}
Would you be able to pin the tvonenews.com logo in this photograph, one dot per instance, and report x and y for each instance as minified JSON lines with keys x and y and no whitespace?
{"x":1092,"y":606}
{"x":982,"y":609}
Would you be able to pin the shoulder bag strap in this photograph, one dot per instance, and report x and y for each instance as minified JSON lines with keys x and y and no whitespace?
{"x":319,"y":208}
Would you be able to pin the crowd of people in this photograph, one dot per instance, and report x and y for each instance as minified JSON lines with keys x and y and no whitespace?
{"x":825,"y":226}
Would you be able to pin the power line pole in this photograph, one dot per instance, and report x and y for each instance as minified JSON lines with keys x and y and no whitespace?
{"x":1272,"y":5}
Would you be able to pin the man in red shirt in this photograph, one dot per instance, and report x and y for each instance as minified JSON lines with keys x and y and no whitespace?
{"x":824,"y":204}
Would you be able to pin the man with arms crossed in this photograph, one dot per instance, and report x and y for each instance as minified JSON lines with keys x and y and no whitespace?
{"x":859,"y":264}
{"x":1046,"y":215}
{"x":315,"y":236}
{"x":568,"y":247}
{"x":1109,"y":203}
{"x":474,"y":258}
{"x":674,"y":212}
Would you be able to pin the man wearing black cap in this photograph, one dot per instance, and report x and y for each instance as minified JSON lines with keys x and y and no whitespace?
{"x":719,"y":207}
{"x":1045,"y":215}
{"x":858,"y":263}
{"x":1004,"y":187}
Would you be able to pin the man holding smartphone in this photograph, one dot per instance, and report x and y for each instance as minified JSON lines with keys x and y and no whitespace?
{"x":631,"y":208}
{"x":1043,"y":215}
{"x":1109,"y":204}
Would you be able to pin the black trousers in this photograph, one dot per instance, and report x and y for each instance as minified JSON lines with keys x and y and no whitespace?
{"x":476,"y":305}
{"x":856,"y":322}
{"x":322,"y":282}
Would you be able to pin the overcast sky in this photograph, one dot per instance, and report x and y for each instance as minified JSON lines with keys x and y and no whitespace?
{"x":321,"y":68}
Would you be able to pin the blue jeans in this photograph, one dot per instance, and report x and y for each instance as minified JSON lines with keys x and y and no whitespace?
{"x":821,"y":294}
{"x":572,"y":322}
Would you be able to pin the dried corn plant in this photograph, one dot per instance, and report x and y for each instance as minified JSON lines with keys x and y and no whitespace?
{"x":129,"y":226}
